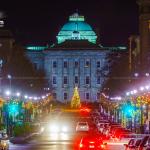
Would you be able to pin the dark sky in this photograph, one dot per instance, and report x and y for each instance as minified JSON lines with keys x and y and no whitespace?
{"x":39,"y":21}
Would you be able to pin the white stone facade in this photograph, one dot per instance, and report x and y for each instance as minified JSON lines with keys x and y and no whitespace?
{"x":66,"y":69}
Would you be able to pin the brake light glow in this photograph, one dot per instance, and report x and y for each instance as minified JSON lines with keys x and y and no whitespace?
{"x":92,"y":142}
{"x":102,"y":146}
{"x":81,"y":145}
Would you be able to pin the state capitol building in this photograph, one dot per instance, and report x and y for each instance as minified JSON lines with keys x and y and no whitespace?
{"x":76,"y":60}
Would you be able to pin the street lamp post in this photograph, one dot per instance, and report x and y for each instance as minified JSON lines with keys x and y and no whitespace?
{"x":9,"y":77}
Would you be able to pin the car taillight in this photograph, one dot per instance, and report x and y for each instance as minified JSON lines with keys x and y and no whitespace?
{"x":91,"y":142}
{"x":81,"y":145}
{"x":102,"y":146}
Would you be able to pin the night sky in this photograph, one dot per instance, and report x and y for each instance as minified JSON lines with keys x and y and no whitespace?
{"x":38,"y":22}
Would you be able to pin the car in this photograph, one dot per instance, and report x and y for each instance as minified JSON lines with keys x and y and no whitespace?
{"x":4,"y":141}
{"x":82,"y":126}
{"x":93,"y":142}
{"x":144,"y":143}
{"x":55,"y":127}
{"x":117,"y":133}
{"x":147,"y":146}
{"x":132,"y":144}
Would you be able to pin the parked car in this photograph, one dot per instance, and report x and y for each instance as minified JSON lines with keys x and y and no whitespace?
{"x":132,"y":144}
{"x":144,"y":143}
{"x":4,"y":141}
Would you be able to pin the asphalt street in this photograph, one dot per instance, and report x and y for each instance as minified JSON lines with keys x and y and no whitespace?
{"x":61,"y":141}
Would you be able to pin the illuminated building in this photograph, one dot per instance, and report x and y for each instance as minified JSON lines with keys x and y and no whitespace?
{"x":6,"y":41}
{"x":144,"y":29}
{"x":75,"y":60}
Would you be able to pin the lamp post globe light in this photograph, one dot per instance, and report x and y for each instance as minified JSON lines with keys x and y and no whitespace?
{"x":8,"y":93}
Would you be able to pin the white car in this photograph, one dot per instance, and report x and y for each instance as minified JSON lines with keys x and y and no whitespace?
{"x":82,"y":126}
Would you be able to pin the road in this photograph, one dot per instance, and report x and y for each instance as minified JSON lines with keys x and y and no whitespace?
{"x":63,"y":141}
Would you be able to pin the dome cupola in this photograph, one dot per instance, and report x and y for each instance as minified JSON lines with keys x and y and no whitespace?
{"x":76,"y":29}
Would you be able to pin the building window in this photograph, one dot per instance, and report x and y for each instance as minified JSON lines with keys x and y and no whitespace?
{"x":87,"y":80}
{"x":54,"y":96}
{"x":98,"y":96}
{"x":54,"y":80}
{"x":98,"y":64}
{"x":76,"y":80}
{"x":87,"y":63}
{"x":65,"y":64}
{"x":54,"y":64}
{"x":65,"y":80}
{"x":98,"y":80}
{"x":35,"y":66}
{"x":65,"y":96}
{"x":87,"y":96}
{"x":76,"y":64}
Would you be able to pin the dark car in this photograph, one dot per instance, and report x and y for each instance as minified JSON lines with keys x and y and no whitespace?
{"x":91,"y":142}
{"x":132,"y":144}
{"x":148,"y":144}
{"x":143,"y":144}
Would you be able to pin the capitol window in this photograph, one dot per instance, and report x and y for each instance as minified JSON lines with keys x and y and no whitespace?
{"x":65,"y":64}
{"x":98,"y":80}
{"x":65,"y":80}
{"x":87,"y":96}
{"x":87,"y":80}
{"x":54,"y":80}
{"x":65,"y":96}
{"x":98,"y":64}
{"x":76,"y":64}
{"x":76,"y":80}
{"x":87,"y":63}
{"x":54,"y":64}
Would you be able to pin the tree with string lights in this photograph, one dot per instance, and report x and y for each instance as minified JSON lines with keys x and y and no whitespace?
{"x":75,"y":101}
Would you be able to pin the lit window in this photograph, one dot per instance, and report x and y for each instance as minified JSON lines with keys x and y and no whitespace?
{"x":76,"y":64}
{"x":98,"y":64}
{"x":65,"y":80}
{"x":54,"y":96}
{"x":87,"y":63}
{"x":98,"y":96}
{"x":65,"y":96}
{"x":87,"y":96}
{"x":98,"y":80}
{"x":87,"y":80}
{"x":54,"y":64}
{"x":76,"y":80}
{"x":54,"y":80}
{"x":65,"y":64}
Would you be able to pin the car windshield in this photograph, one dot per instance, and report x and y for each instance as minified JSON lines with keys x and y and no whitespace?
{"x":83,"y":123}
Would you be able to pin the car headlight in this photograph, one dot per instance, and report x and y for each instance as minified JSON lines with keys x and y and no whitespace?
{"x":54,"y":128}
{"x":64,"y":129}
{"x":42,"y":129}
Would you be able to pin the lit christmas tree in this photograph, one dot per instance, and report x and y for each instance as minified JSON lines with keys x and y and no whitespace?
{"x":75,"y":101}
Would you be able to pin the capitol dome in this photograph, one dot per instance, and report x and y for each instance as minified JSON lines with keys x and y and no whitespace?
{"x":76,"y":29}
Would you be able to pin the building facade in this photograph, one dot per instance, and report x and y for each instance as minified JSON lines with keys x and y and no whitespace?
{"x":144,"y":30}
{"x":75,"y":60}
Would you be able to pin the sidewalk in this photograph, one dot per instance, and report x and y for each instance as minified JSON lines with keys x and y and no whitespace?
{"x":22,"y":139}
